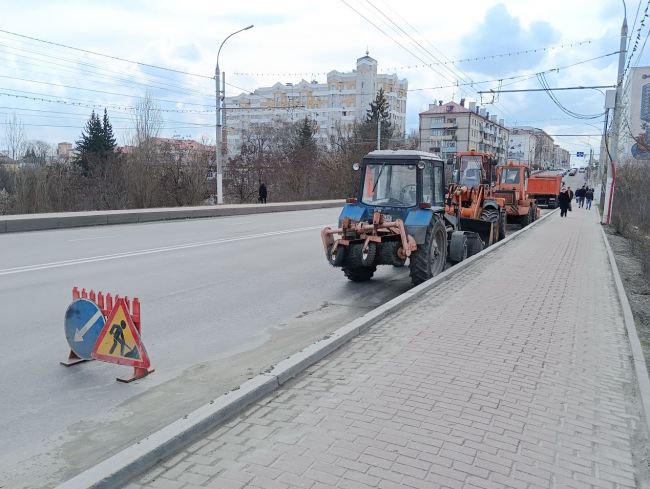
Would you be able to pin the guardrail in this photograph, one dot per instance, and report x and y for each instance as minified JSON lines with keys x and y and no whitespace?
{"x":62,"y":220}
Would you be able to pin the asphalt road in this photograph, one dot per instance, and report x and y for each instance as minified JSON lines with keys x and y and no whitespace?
{"x":222,"y":299}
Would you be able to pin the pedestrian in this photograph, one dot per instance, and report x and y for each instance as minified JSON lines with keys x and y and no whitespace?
{"x":580,"y":196}
{"x":589,"y":196}
{"x":564,"y":201}
{"x":571,"y":194}
{"x":262,"y":193}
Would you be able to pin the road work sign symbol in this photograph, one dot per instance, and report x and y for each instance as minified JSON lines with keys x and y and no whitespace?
{"x":83,"y":323}
{"x":119,"y":341}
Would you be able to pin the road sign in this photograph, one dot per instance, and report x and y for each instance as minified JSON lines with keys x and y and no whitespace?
{"x":119,"y":341}
{"x":83,"y":322}
{"x":580,"y":154}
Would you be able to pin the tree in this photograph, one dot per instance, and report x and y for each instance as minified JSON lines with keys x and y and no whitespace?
{"x":14,"y":136}
{"x":107,"y":130}
{"x":379,"y":112}
{"x":96,"y":144}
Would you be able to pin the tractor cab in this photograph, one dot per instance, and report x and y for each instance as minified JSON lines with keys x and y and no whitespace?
{"x":474,"y":168}
{"x":394,"y":182}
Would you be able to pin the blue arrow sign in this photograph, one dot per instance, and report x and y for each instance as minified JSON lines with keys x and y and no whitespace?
{"x":83,"y":323}
{"x":580,"y":154}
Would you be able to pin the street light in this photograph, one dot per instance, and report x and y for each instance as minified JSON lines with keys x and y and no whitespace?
{"x":219,"y":133}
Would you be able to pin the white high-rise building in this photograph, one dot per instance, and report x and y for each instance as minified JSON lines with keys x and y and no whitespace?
{"x":634,"y":131}
{"x":335,"y":106}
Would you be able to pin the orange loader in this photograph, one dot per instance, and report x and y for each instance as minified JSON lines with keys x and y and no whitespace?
{"x":512,"y":186}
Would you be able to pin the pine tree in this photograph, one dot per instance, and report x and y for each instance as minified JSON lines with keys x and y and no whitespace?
{"x":305,"y":132}
{"x":97,"y":142}
{"x":109,"y":139}
{"x":379,"y":111}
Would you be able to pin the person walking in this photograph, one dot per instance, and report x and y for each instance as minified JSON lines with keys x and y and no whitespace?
{"x":571,"y":194}
{"x":580,"y":196}
{"x":589,"y":196}
{"x":262,"y":193}
{"x":564,"y":201}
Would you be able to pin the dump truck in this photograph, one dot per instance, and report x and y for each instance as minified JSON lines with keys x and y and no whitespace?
{"x":513,"y":185}
{"x":398,"y":216}
{"x":545,"y":188}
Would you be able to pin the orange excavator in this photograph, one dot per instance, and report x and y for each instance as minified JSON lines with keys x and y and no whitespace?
{"x":512,"y":185}
{"x":471,"y":202}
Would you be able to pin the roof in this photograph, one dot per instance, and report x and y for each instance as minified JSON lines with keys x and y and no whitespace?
{"x":442,"y":109}
{"x":402,"y":154}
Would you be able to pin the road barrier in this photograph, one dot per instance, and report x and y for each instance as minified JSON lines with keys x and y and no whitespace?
{"x":63,"y":220}
{"x":104,"y":327}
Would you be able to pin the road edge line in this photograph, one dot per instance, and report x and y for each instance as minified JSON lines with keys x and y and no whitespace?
{"x":135,"y":459}
{"x":638,"y":359}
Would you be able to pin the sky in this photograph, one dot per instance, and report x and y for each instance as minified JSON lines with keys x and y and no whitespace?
{"x":446,"y":51}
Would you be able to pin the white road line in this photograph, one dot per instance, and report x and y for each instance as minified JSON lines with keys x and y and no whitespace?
{"x":127,"y":254}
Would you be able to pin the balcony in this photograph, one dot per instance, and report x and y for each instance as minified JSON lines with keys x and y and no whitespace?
{"x":450,"y":125}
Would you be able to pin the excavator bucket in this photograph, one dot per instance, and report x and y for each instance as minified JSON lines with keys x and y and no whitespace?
{"x":485,"y":229}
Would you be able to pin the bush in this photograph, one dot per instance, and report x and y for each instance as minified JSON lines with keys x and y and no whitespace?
{"x":631,"y":207}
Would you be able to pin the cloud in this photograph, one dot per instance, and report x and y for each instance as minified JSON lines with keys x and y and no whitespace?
{"x":500,"y":32}
{"x":188,"y":52}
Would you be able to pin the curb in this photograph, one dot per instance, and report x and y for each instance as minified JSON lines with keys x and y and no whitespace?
{"x":65,"y":220}
{"x":638,"y":359}
{"x":136,"y":459}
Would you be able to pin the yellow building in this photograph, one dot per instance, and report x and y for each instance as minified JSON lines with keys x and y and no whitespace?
{"x":335,"y":105}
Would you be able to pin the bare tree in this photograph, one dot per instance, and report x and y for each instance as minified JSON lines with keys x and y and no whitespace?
{"x":147,"y":119}
{"x":14,"y":136}
{"x":142,"y":165}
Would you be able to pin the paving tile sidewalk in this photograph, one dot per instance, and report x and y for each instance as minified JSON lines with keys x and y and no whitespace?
{"x":516,"y":373}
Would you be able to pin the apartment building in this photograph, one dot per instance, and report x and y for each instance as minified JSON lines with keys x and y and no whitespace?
{"x":335,"y":105}
{"x":561,"y":157}
{"x":634,"y":131}
{"x":531,"y":146}
{"x":452,"y":127}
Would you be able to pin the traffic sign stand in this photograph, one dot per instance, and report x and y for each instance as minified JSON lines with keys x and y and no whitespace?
{"x":119,"y":341}
{"x":98,"y":299}
{"x":73,"y":359}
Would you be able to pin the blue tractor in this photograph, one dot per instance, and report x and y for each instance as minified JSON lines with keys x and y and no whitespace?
{"x":398,"y":216}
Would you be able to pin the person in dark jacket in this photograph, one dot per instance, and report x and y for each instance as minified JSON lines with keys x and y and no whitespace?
{"x":589,"y":197}
{"x":571,"y":194}
{"x":262,"y":193}
{"x":580,"y":196}
{"x":564,"y":201}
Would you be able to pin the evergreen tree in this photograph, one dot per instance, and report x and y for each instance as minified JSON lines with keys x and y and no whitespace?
{"x":109,"y":139}
{"x":378,"y":111}
{"x":97,"y":142}
{"x":305,"y":133}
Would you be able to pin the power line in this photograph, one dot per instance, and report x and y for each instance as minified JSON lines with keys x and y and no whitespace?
{"x":87,"y":103}
{"x":139,"y":63}
{"x":546,"y":89}
{"x":99,"y":91}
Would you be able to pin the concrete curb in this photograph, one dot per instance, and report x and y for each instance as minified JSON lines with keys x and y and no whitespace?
{"x":132,"y":461}
{"x":638,"y":359}
{"x":40,"y":222}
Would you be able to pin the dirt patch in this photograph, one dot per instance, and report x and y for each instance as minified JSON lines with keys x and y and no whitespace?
{"x":636,"y":283}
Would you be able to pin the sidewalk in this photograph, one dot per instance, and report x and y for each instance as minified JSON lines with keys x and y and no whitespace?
{"x":516,"y":373}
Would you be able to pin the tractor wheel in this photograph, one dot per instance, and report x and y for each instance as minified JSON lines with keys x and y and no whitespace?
{"x":525,"y":220}
{"x":430,"y":258}
{"x":492,"y":215}
{"x":336,"y":260}
{"x":359,"y":274}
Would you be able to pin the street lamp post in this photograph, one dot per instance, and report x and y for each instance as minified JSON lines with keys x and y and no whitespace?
{"x":219,"y":132}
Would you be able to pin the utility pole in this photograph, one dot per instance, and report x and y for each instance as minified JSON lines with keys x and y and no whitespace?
{"x":609,"y":179}
{"x":219,"y":130}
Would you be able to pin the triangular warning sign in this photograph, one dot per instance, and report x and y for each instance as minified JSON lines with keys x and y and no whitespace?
{"x":119,"y":341}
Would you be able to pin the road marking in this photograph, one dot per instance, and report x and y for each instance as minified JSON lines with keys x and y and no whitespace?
{"x":127,"y":254}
